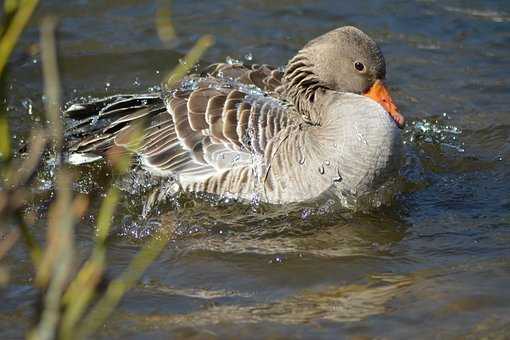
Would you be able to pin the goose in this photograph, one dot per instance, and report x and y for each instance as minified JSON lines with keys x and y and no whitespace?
{"x":325,"y":123}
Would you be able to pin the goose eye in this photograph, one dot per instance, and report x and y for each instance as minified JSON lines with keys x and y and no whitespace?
{"x":359,"y":66}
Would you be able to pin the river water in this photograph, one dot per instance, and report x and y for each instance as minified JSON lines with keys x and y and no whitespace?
{"x":434,"y":264}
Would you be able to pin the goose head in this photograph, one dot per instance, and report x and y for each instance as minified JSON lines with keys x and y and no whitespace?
{"x":344,"y":60}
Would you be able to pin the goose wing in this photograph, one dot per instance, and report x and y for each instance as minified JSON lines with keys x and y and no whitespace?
{"x":212,"y":122}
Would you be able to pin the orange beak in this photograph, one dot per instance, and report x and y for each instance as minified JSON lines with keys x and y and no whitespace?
{"x":380,"y":94}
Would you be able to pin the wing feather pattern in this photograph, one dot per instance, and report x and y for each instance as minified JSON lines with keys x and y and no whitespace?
{"x":227,"y":116}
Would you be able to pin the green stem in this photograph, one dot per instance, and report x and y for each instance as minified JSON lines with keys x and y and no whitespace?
{"x":13,"y":31}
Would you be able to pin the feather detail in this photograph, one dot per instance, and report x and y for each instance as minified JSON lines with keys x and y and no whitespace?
{"x":216,"y":124}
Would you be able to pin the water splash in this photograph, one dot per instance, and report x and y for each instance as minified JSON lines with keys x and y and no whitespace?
{"x":232,"y":61}
{"x":189,"y":84}
{"x":434,"y":131}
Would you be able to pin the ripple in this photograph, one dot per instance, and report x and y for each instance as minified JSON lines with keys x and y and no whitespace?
{"x":495,"y":16}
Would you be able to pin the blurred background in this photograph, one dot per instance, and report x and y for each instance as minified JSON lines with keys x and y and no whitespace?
{"x":434,"y":264}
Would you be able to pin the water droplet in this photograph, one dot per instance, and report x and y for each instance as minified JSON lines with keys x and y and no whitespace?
{"x":321,"y":170}
{"x":306,"y":213}
{"x":27,"y":104}
{"x":277,"y":259}
{"x":338,"y":178}
{"x":327,"y":163}
{"x":248,"y":56}
{"x":94,"y":120}
{"x":362,"y":138}
{"x":301,"y":159}
{"x":255,"y":201}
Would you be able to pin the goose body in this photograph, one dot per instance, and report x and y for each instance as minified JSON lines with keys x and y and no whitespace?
{"x":283,"y":135}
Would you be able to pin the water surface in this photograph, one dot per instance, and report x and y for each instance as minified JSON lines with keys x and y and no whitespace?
{"x":434,"y":264}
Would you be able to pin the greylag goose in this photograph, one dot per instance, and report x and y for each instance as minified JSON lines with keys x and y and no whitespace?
{"x":324,"y":123}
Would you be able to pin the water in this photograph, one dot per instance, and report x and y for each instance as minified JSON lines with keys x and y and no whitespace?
{"x":434,"y":264}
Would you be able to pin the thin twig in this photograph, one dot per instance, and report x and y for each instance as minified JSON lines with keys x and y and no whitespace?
{"x":163,"y":21}
{"x":189,"y":61}
{"x":118,"y":287}
{"x":82,"y":288}
{"x":52,"y":83}
{"x":55,"y":267}
{"x":19,"y":175}
{"x":12,"y":33}
{"x":8,"y":242}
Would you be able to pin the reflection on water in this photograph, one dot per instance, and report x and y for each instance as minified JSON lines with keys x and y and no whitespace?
{"x":348,"y":303}
{"x":434,"y":263}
